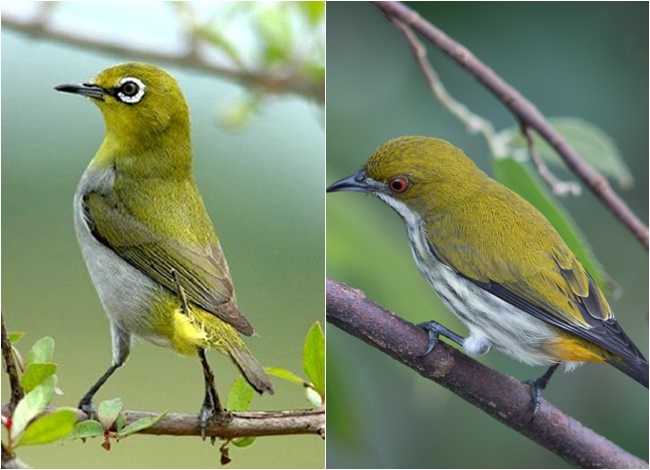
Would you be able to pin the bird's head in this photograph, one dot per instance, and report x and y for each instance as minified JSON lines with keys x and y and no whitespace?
{"x":414,"y":175}
{"x":140,"y":103}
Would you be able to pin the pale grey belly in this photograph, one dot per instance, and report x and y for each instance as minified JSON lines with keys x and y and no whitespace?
{"x":124,"y":291}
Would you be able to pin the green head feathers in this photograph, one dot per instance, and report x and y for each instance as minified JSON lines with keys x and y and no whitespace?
{"x":142,"y":105}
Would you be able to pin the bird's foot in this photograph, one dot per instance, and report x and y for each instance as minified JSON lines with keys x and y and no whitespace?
{"x":209,"y":414}
{"x":435,"y":329}
{"x":537,"y":385}
{"x":86,"y":405}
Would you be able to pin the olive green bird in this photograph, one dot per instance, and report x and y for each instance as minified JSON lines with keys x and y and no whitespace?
{"x":145,"y":236}
{"x":495,"y":261}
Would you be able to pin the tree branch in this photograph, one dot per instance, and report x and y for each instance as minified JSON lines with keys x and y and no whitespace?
{"x":503,"y":398}
{"x":291,"y":82}
{"x":17,"y":391}
{"x":525,"y":112}
{"x":243,"y":423}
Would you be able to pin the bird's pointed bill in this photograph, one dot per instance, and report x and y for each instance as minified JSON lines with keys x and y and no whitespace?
{"x":356,"y":182}
{"x":85,"y":89}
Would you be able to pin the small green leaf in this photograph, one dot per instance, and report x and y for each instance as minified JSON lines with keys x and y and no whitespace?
{"x":313,"y":358}
{"x":86,"y":429}
{"x":42,"y":351}
{"x":49,"y":428}
{"x":519,"y":178}
{"x":592,"y":144}
{"x":36,"y":373}
{"x":243,"y":441}
{"x":314,"y":11}
{"x":108,"y":411}
{"x":285,"y":374}
{"x":120,"y":422}
{"x":139,"y":425}
{"x":240,"y":395}
{"x":16,"y":336}
{"x":31,"y":405}
{"x":275,"y":32}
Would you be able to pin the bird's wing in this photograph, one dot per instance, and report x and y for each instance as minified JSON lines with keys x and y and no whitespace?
{"x":543,"y":280}
{"x":202,"y":271}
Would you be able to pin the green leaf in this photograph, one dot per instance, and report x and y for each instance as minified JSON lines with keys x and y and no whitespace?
{"x":285,"y":374}
{"x":49,"y":428}
{"x":240,"y":395}
{"x":275,"y":31}
{"x":36,"y":373}
{"x":16,"y":336}
{"x":42,"y":351}
{"x":120,"y":422}
{"x":139,"y":425}
{"x":314,"y":11}
{"x":108,"y":411}
{"x":519,"y":178}
{"x":313,"y":358}
{"x":31,"y":405}
{"x":592,"y":144}
{"x":243,"y":441}
{"x":86,"y":429}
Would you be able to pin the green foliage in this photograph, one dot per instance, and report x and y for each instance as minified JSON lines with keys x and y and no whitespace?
{"x":314,"y":358}
{"x":28,"y":425}
{"x":519,"y":178}
{"x":111,"y":423}
{"x":592,"y":143}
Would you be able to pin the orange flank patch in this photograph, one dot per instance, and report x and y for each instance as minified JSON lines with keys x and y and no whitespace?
{"x":575,"y":349}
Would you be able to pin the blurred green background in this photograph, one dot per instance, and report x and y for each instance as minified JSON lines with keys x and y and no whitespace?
{"x":263,"y":187}
{"x":582,"y":59}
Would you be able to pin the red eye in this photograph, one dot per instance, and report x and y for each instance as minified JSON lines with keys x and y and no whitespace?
{"x":398,"y":185}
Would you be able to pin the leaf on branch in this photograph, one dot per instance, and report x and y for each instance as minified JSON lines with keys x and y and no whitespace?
{"x":108,"y":412}
{"x":519,"y":178}
{"x":86,"y":429}
{"x":49,"y":428}
{"x":16,"y":336}
{"x":240,"y":395}
{"x":286,"y":375}
{"x":36,"y":373}
{"x":314,"y":358}
{"x":592,"y":143}
{"x":139,"y":425}
{"x":42,"y":351}
{"x":31,"y":405}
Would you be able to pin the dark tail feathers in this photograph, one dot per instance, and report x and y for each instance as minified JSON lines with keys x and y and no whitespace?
{"x":634,"y":367}
{"x":253,"y":372}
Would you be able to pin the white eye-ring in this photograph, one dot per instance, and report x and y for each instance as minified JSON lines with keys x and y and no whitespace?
{"x":130,"y":90}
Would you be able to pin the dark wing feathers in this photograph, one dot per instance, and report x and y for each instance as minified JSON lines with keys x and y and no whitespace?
{"x":203,"y":272}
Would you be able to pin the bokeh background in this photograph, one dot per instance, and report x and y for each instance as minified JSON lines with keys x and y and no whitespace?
{"x":584,"y":59}
{"x":263,"y":185}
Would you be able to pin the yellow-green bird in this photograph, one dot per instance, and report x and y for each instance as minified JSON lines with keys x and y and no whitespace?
{"x":145,"y":236}
{"x":495,"y":261}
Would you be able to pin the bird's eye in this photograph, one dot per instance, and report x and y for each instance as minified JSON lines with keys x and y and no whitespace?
{"x":398,"y":185}
{"x":130,"y":90}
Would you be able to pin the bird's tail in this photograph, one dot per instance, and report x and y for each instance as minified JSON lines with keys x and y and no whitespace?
{"x":250,"y":368}
{"x":634,"y":367}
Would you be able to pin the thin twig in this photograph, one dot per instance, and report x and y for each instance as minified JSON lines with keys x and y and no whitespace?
{"x":502,"y":397}
{"x":472,"y":121}
{"x":524,"y":111}
{"x":286,"y":82}
{"x":559,"y":188}
{"x":17,"y":392}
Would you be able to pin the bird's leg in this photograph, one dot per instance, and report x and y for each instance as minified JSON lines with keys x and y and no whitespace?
{"x":86,"y":402}
{"x":435,"y":329}
{"x":539,"y":384}
{"x":211,"y":408}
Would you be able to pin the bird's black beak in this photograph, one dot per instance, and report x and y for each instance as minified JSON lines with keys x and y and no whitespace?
{"x":355,"y":182}
{"x":85,"y":89}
